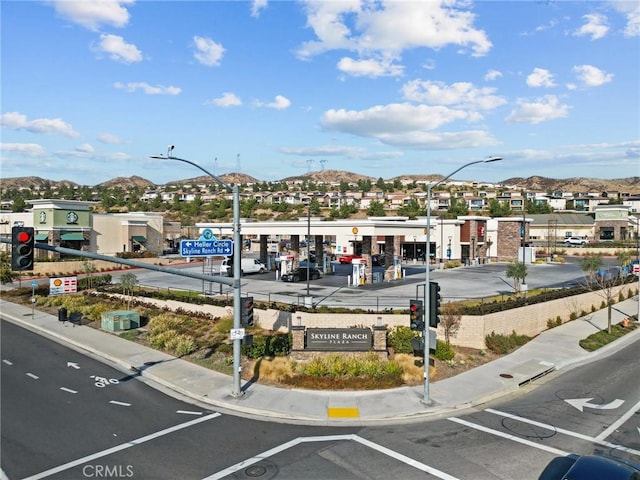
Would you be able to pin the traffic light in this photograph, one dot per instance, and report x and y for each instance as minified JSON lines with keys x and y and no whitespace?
{"x":22,"y":240}
{"x":246,"y":312}
{"x":416,"y":318}
{"x":434,"y":304}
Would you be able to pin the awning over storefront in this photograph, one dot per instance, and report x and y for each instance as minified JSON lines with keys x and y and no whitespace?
{"x":71,"y":236}
{"x":139,"y":238}
{"x":41,"y":237}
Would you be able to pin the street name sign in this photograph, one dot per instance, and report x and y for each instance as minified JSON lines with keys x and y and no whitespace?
{"x":206,"y":248}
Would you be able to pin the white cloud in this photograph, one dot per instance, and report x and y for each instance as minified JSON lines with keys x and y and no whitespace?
{"x":256,"y":6}
{"x":279,"y":103}
{"x":462,"y":94}
{"x":53,"y":126}
{"x":208,"y":52}
{"x":631,"y":10}
{"x":540,"y":78}
{"x":227,"y":99}
{"x":118,"y":50}
{"x":384,"y":29}
{"x":369,"y":68}
{"x":591,"y":76}
{"x":84,"y":148}
{"x":109,"y":138}
{"x":28,"y":149}
{"x":406,"y":125}
{"x":148,"y":89}
{"x":92,"y":14}
{"x":492,"y":75}
{"x":596,"y":26}
{"x":538,"y":111}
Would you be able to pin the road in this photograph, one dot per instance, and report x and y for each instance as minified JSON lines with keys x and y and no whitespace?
{"x":333,"y":290}
{"x":57,"y":423}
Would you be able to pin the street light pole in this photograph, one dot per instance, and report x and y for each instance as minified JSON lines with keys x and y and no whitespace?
{"x":427,"y":275}
{"x":237,"y":248}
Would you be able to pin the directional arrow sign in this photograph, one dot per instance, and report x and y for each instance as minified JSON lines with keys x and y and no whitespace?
{"x":74,"y":365}
{"x":206,"y":248}
{"x":582,"y":403}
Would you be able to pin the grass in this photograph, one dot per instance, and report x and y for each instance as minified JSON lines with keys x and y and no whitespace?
{"x":602,"y":338}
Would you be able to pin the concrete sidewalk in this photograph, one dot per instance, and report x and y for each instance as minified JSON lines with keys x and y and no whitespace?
{"x":552,"y":350}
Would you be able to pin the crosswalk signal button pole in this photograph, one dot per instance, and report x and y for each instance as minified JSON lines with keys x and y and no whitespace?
{"x":22,"y":248}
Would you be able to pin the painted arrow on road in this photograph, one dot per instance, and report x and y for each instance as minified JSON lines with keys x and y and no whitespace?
{"x":582,"y":403}
{"x":74,"y":365}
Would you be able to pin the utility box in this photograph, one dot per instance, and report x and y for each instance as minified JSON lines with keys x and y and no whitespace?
{"x":120,"y":320}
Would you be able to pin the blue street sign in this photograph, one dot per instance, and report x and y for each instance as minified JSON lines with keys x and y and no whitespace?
{"x":206,"y":248}
{"x":34,"y":283}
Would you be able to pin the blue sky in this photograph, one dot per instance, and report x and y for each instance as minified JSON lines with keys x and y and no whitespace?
{"x":274,"y":89}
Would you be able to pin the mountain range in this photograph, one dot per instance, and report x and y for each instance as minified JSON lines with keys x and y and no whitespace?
{"x":538,"y":183}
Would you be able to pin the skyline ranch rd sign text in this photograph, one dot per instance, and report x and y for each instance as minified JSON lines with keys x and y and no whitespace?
{"x":339,"y":339}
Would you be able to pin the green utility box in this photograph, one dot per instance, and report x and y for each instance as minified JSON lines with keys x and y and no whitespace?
{"x":120,"y":320}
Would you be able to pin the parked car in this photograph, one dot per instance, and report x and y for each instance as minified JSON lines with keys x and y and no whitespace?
{"x":301,"y":274}
{"x":575,"y":241}
{"x":589,"y":467}
{"x":348,"y":258}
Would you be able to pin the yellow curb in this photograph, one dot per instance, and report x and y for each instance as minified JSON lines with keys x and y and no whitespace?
{"x":342,"y":412}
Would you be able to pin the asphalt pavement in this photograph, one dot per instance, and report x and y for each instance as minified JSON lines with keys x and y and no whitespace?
{"x":553,"y":350}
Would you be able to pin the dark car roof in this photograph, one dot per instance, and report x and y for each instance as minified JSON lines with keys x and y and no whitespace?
{"x":593,"y":466}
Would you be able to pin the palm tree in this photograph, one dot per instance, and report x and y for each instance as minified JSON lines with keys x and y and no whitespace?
{"x":517,"y":271}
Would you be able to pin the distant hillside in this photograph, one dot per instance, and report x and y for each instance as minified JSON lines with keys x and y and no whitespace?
{"x":33,"y":183}
{"x":125,"y":183}
{"x":576,"y":184}
{"x":228,"y":178}
{"x":328,"y":176}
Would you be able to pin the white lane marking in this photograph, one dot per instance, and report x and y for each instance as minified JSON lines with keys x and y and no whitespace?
{"x":32,"y":375}
{"x":122,"y":446}
{"x":188,"y":412}
{"x":7,"y":362}
{"x":74,"y":365}
{"x":582,"y":403}
{"x":68,"y":390}
{"x":115,"y":402}
{"x":620,"y":421}
{"x":330,"y":438}
{"x":567,"y":432}
{"x":555,"y":451}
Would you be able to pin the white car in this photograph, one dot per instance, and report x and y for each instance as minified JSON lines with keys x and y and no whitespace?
{"x":575,"y":241}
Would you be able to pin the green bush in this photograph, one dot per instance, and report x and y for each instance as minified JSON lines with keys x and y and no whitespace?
{"x":444,"y":351}
{"x":268,"y":346}
{"x":503,"y":344}
{"x":400,"y":339}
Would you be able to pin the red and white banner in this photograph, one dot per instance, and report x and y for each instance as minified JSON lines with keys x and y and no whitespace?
{"x":61,"y":285}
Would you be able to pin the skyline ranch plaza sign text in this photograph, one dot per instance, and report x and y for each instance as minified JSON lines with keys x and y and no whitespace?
{"x":353,"y":339}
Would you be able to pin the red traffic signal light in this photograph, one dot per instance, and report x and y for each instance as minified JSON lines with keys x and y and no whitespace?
{"x":416,"y":318}
{"x":22,"y":248}
{"x":246,"y":312}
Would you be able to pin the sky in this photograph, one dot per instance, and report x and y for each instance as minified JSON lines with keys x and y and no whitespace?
{"x":272,"y":89}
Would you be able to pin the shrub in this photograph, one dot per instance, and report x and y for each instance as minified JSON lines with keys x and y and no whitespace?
{"x":573,"y":316}
{"x":444,"y":351}
{"x":400,"y":339}
{"x":503,"y":344}
{"x":621,"y":296}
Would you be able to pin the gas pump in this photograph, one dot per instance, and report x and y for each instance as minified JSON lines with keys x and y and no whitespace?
{"x":286,"y":264}
{"x":397,"y":267}
{"x":359,"y":268}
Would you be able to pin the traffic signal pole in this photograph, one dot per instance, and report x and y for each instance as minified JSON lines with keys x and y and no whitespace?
{"x":427,"y":307}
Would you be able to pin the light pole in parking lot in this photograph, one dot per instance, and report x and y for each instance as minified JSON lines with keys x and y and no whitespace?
{"x":237,"y":248}
{"x":427,"y":306}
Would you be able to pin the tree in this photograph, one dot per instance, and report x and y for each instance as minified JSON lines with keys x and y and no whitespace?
{"x":128,"y":281}
{"x":314,"y":206}
{"x":533,"y":207}
{"x":6,"y":274}
{"x":517,"y":271}
{"x":376,"y":209}
{"x":458,"y":207}
{"x":411,"y":209}
{"x":498,"y":208}
{"x":590,"y":265}
{"x":88,"y":268}
{"x":451,"y":318}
